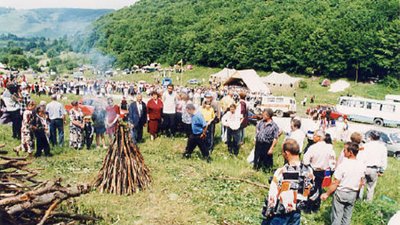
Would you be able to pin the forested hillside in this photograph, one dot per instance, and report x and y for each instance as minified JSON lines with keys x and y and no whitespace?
{"x":328,"y":37}
{"x":49,"y":23}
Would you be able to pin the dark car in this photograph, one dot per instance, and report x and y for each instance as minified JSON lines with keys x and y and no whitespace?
{"x":391,"y":140}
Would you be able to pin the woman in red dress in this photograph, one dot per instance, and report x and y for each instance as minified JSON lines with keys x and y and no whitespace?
{"x":154,"y":112}
{"x":113,"y":114}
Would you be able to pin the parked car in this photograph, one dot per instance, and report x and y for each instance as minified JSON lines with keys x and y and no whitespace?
{"x":193,"y":81}
{"x":254,"y":117}
{"x":328,"y":110}
{"x":391,"y":140}
{"x":87,"y":105}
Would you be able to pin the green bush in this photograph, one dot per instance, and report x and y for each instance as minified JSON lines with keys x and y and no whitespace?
{"x":391,"y":82}
{"x":303,"y":84}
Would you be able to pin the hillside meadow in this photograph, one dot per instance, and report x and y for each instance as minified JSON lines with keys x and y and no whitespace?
{"x":192,"y":191}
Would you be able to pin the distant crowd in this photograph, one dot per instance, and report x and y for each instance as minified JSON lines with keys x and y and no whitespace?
{"x":194,"y":114}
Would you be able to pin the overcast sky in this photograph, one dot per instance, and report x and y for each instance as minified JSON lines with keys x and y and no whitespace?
{"x":97,"y":4}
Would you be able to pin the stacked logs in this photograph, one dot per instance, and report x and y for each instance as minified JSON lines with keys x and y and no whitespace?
{"x":24,"y":200}
{"x":123,"y":170}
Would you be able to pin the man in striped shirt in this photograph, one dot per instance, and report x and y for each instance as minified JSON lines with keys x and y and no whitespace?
{"x":266,"y":138}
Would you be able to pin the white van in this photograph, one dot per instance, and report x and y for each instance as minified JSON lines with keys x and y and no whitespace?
{"x":394,"y":98}
{"x":378,"y":112}
{"x":281,"y":105}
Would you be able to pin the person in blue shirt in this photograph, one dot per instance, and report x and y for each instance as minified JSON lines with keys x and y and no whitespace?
{"x":199,"y":131}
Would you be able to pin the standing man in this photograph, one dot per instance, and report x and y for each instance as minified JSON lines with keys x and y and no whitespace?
{"x":57,"y":118}
{"x":374,"y":157}
{"x":349,"y":177}
{"x":199,"y":132}
{"x":138,"y":118}
{"x":245,"y":114}
{"x":225,"y":103}
{"x":267,"y":132}
{"x":169,"y":99}
{"x":292,"y":185}
{"x":296,"y":133}
{"x":321,"y":157}
{"x":13,"y":112}
{"x":217,"y":112}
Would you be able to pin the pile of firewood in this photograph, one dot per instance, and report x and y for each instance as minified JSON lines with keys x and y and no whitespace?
{"x":24,"y":200}
{"x":123,"y":170}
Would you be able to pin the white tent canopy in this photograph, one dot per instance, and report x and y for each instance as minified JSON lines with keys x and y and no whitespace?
{"x":248,"y":78}
{"x":223,"y":75}
{"x":280,"y":79}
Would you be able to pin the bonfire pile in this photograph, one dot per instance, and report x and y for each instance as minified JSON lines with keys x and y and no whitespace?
{"x":123,"y":171}
{"x":24,"y":200}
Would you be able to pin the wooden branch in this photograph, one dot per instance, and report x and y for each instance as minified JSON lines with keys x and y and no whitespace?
{"x":242,"y":180}
{"x":48,"y":211}
{"x":73,"y":216}
{"x":47,"y":198}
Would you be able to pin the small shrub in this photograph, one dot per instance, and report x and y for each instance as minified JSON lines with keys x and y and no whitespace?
{"x":391,"y":82}
{"x":303,"y":84}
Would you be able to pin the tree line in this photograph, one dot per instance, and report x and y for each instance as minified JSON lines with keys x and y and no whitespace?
{"x":335,"y":38}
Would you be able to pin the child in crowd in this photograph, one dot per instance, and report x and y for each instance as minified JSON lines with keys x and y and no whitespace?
{"x":88,"y":131}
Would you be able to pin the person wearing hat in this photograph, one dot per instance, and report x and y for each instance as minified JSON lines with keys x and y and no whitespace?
{"x":374,"y":157}
{"x":321,"y":157}
{"x":267,"y":133}
{"x":88,"y":131}
{"x":76,"y":126}
{"x":57,"y":114}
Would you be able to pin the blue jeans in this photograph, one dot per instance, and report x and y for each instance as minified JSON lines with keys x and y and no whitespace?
{"x":233,"y":137}
{"x":57,"y":125}
{"x":286,"y":219}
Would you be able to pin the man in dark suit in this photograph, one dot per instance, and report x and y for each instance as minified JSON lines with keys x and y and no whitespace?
{"x":137,"y":118}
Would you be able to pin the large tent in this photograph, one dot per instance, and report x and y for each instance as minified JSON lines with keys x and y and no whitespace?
{"x":280,"y":80}
{"x":249,"y":79}
{"x":222,"y":75}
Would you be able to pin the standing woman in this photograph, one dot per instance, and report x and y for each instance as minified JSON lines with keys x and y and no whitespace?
{"x":267,"y":132}
{"x":76,"y":125}
{"x":27,"y":142}
{"x":154,"y":112}
{"x":113,"y":112}
{"x":41,"y":128}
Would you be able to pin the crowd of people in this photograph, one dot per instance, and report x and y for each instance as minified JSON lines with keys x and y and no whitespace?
{"x":195,"y":113}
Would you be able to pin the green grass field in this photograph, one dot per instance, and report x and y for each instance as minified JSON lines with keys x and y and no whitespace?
{"x":189,"y":191}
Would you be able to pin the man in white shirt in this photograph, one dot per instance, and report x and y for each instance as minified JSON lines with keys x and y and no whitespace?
{"x":13,"y":113}
{"x":321,"y":157}
{"x":349,"y":177}
{"x":57,"y":113}
{"x":169,"y":99}
{"x":297,"y":134}
{"x":374,"y":157}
